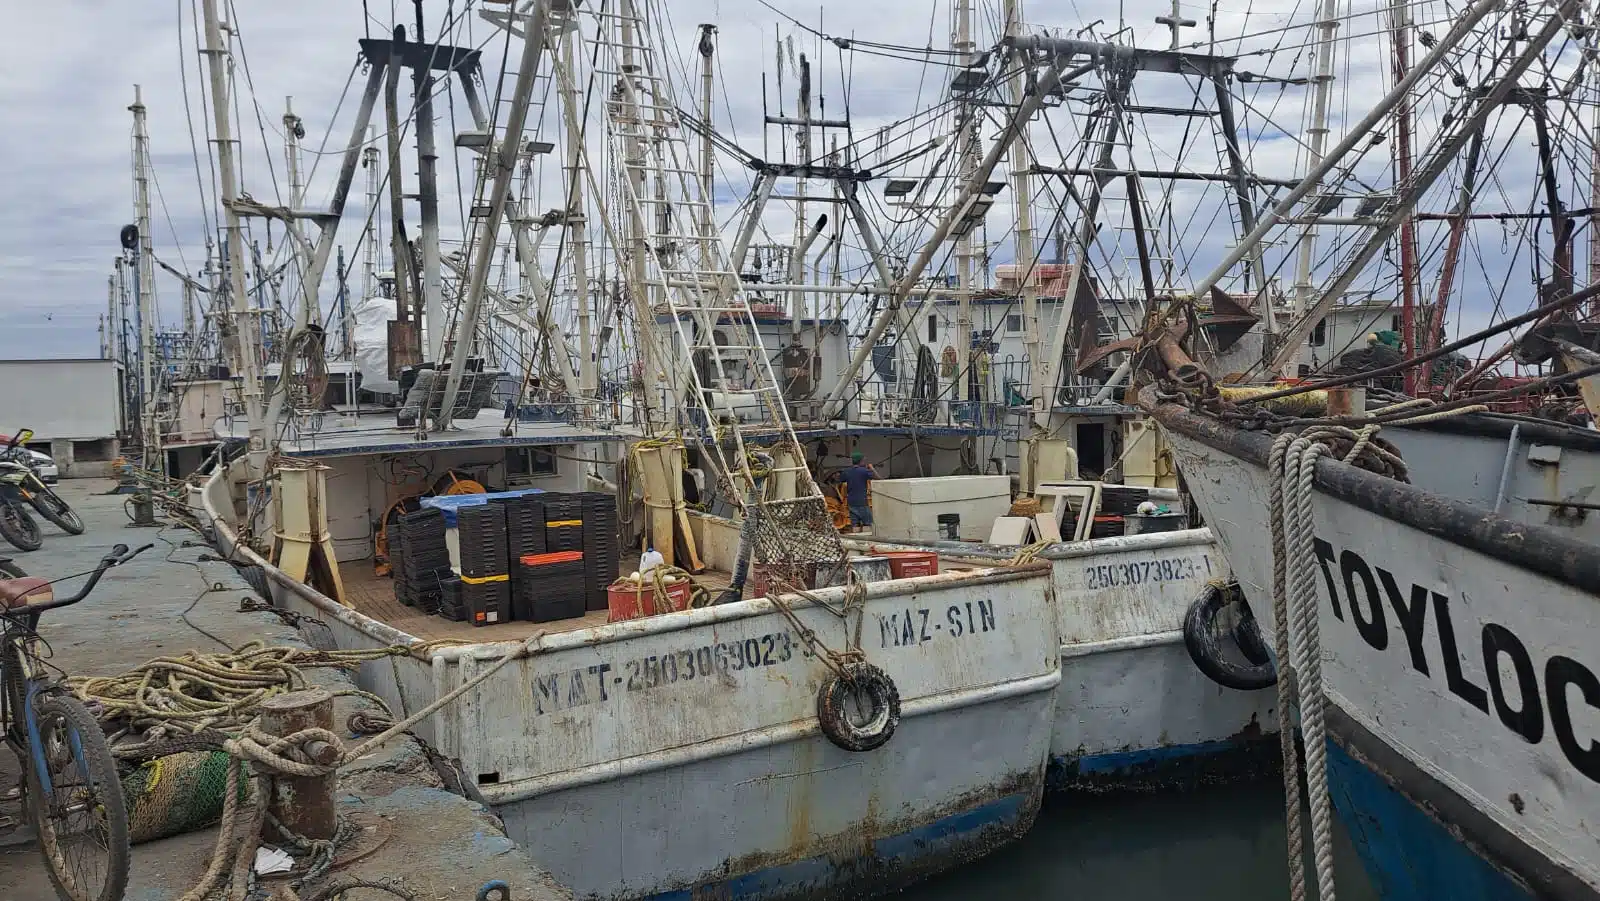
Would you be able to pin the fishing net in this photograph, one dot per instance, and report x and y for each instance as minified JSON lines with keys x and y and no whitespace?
{"x":175,"y":794}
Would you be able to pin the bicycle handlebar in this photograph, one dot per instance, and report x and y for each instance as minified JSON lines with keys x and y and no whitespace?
{"x":118,"y":556}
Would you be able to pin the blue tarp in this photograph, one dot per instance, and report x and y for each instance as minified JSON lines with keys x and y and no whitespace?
{"x":449,"y":504}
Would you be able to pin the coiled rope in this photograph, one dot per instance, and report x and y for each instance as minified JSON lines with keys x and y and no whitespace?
{"x":208,"y":700}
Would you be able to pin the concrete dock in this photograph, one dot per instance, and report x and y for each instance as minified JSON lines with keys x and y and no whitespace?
{"x":438,"y":845}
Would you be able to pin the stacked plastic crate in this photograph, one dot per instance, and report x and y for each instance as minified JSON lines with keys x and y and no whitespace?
{"x":524,"y":537}
{"x":424,"y":561}
{"x":484,"y":559}
{"x":602,"y":549}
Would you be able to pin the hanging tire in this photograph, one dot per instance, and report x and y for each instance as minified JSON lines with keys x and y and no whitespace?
{"x":858,"y":707}
{"x":1202,"y":638}
{"x":52,"y":507}
{"x":18,"y":527}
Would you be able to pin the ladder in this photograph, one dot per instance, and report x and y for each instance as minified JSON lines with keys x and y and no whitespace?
{"x":723,"y":379}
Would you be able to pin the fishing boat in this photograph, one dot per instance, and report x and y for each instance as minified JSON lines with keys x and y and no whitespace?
{"x":833,"y":764}
{"x":1425,"y":563}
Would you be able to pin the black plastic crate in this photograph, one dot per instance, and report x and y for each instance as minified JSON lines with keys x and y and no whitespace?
{"x":602,"y":558}
{"x":487,"y":603}
{"x":450,"y":606}
{"x":563,"y":535}
{"x":547,"y":591}
{"x":428,"y":589}
{"x":481,"y":540}
{"x":525,"y":527}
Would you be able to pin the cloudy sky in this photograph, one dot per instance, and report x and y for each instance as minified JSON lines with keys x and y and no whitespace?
{"x":66,"y":145}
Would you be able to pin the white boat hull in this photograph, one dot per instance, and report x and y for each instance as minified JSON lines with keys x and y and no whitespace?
{"x":1465,"y":680}
{"x":681,"y":754}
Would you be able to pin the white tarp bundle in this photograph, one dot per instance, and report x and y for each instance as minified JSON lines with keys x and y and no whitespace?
{"x":372,"y":318}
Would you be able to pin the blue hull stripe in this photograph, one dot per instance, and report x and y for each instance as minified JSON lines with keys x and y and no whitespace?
{"x":898,"y":858}
{"x":1408,"y":855}
{"x":1128,"y":761}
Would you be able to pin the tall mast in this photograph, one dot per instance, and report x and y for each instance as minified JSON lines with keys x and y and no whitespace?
{"x":1594,"y":203}
{"x":370,"y":158}
{"x":803,"y":155}
{"x":428,"y":205}
{"x":638,"y":229}
{"x":1316,"y":142}
{"x":1022,"y":191}
{"x":111,"y":317}
{"x":293,"y":130}
{"x":499,"y":166}
{"x":149,"y":434}
{"x":577,"y":216}
{"x":399,"y":253}
{"x":967,"y":136}
{"x":707,"y":159}
{"x":246,"y":327}
{"x":1399,"y":25}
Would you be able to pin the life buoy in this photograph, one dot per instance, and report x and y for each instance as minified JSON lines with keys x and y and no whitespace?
{"x":874,"y":696}
{"x":1201,"y":638}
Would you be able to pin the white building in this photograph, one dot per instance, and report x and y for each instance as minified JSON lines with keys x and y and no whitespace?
{"x":73,"y":408}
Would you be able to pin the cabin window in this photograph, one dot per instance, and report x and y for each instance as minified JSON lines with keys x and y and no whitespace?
{"x":1319,"y":335}
{"x":933,"y":326}
{"x":530,"y":462}
{"x":1013,"y":323}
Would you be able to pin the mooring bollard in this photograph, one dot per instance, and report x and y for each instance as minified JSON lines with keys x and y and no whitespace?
{"x":1347,"y":401}
{"x":303,"y":804}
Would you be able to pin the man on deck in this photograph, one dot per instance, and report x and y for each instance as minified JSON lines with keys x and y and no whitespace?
{"x":855,"y":484}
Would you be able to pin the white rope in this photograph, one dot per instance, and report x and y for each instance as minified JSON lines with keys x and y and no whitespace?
{"x":1305,"y":647}
{"x":1280,"y":647}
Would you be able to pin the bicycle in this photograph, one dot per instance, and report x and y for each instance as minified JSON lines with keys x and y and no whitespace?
{"x":69,"y":778}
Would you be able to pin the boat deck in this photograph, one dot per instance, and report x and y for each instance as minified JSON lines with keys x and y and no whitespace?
{"x":373,"y":595}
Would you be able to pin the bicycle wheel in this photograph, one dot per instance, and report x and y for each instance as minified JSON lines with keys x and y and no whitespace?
{"x":18,"y":527}
{"x":83,"y":823}
{"x":52,"y":507}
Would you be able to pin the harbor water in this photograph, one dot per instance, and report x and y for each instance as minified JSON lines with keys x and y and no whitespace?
{"x":1216,"y":844}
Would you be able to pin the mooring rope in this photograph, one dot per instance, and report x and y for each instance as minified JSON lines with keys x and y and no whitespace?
{"x":1280,"y":647}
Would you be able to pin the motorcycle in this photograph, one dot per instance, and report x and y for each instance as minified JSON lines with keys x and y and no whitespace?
{"x":15,"y":523}
{"x":18,"y":475}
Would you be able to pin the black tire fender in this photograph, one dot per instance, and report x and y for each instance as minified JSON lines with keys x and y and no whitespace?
{"x":870,"y":685}
{"x":1200,"y":637}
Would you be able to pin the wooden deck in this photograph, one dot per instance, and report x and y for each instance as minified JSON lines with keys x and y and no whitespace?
{"x":373,"y":595}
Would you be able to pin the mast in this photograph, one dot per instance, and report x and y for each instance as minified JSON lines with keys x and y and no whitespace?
{"x":967,"y":136}
{"x":1594,"y":203}
{"x":400,"y":253}
{"x":246,"y":326}
{"x":428,"y":205}
{"x":1399,"y":24}
{"x":293,"y":131}
{"x":110,"y":327}
{"x":149,"y":434}
{"x":1022,"y":191}
{"x":1316,"y":141}
{"x":501,"y":164}
{"x":707,"y":159}
{"x":577,"y":216}
{"x":638,"y":229}
{"x":796,"y":269}
{"x":369,"y":253}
